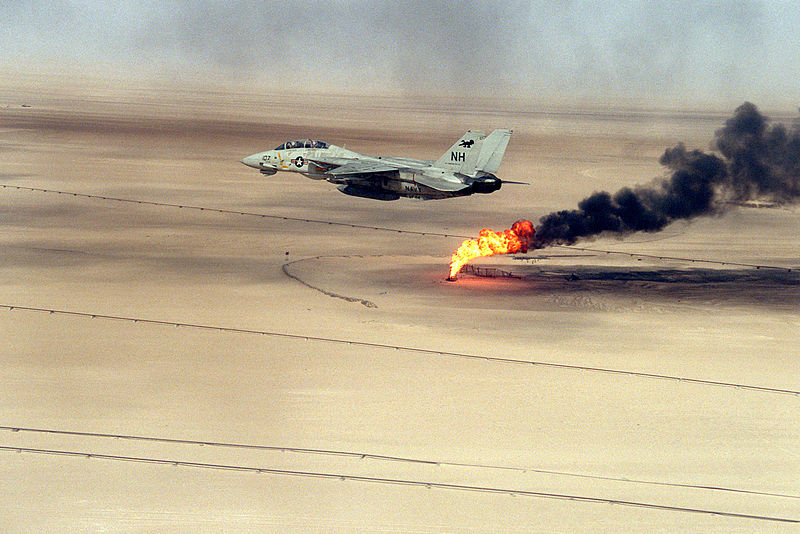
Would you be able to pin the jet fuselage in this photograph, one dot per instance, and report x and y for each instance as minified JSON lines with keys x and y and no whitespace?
{"x":385,"y":178}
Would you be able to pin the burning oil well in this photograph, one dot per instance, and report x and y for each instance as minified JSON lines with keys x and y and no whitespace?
{"x":515,"y":239}
{"x":755,"y":161}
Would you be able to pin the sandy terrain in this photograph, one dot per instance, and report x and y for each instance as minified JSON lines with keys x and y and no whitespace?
{"x":600,"y":435}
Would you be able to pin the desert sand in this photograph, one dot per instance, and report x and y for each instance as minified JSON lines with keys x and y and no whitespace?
{"x":664,"y":399}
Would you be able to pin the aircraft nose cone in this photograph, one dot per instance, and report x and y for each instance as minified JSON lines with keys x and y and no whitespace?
{"x":250,"y":161}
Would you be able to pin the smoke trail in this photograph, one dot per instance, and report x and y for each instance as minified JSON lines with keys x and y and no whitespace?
{"x":763,"y":160}
{"x":759,"y":161}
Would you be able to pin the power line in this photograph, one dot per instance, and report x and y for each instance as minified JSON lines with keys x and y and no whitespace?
{"x":369,"y":227}
{"x":676,"y":258}
{"x":360,"y":455}
{"x":396,"y":482}
{"x":231,"y":212}
{"x":494,"y":359}
{"x":380,"y":457}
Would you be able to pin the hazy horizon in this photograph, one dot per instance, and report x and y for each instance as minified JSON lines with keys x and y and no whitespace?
{"x":707,"y":53}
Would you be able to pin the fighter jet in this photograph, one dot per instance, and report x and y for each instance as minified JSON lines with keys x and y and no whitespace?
{"x":467,"y":168}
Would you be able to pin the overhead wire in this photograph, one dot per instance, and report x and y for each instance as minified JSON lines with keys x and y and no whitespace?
{"x":397,"y":482}
{"x":372,"y":227}
{"x":230,"y":212}
{"x":419,"y":350}
{"x":381,"y":457}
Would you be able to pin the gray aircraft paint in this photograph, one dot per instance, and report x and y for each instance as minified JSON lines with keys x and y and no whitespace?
{"x":467,"y":167}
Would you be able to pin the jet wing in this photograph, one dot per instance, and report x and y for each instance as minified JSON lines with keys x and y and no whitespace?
{"x":344,"y":166}
{"x":362,"y":167}
{"x":440,"y":184}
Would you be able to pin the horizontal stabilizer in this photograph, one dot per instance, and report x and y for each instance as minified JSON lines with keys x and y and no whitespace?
{"x":492,"y":151}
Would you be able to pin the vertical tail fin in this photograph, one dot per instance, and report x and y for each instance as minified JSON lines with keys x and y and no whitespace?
{"x":463,"y":156}
{"x":494,"y":146}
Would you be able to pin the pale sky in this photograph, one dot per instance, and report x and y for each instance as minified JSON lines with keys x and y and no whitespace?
{"x":664,"y":52}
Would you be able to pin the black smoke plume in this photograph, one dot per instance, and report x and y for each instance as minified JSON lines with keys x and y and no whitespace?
{"x":757,"y":161}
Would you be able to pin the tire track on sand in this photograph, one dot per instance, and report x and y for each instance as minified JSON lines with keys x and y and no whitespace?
{"x":287,"y":272}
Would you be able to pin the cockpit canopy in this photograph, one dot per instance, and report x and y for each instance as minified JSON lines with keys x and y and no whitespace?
{"x":303,"y":143}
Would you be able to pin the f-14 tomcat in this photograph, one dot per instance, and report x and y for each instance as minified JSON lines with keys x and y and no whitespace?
{"x":467,"y":168}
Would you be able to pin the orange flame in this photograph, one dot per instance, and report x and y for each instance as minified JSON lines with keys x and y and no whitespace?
{"x":489,"y":243}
